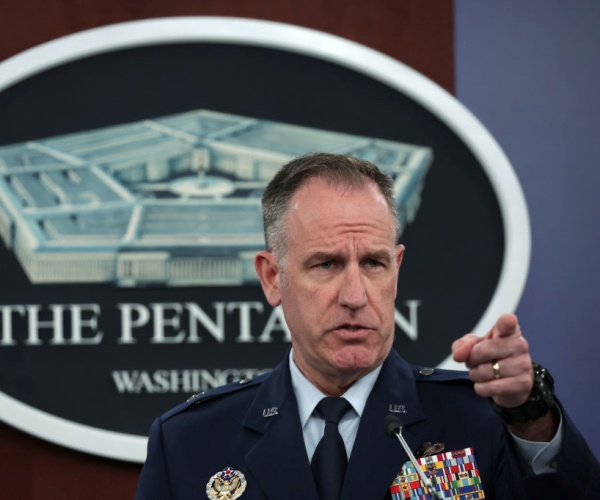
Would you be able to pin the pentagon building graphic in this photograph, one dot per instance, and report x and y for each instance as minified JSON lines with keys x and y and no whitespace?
{"x":172,"y":201}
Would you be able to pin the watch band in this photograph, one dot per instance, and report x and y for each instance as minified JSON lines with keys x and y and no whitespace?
{"x":540,"y":401}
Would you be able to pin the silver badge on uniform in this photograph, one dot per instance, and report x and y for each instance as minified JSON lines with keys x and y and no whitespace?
{"x":270,"y":412}
{"x":395,"y":408}
{"x":228,"y":484}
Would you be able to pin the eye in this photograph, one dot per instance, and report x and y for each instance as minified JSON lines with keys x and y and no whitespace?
{"x":372,"y":263}
{"x":325,"y":265}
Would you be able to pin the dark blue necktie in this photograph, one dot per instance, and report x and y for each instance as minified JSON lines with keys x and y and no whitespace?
{"x":330,"y":460}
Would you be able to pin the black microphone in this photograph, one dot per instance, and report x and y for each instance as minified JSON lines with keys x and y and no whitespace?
{"x":393,"y":426}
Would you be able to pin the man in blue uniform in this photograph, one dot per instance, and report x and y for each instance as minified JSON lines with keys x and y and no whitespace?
{"x":332,"y":263}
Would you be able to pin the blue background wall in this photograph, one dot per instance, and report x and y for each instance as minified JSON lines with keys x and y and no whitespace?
{"x":530,"y":71}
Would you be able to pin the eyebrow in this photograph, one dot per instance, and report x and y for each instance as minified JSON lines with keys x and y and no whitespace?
{"x":321,"y":257}
{"x":379,"y":255}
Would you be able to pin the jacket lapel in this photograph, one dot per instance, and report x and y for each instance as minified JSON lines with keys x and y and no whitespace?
{"x":377,"y":457}
{"x":278,"y":462}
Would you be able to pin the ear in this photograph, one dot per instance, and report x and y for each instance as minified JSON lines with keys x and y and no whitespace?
{"x":399,"y":255}
{"x":267,"y":269}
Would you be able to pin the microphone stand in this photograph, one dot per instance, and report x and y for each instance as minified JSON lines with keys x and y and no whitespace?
{"x":394,"y":428}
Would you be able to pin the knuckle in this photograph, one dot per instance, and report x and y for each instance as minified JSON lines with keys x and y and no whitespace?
{"x":523,"y":345}
{"x":481,"y":390}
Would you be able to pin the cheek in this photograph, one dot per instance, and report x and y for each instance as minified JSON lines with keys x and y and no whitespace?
{"x":314,"y":300}
{"x":383,"y":295}
{"x":302,"y":308}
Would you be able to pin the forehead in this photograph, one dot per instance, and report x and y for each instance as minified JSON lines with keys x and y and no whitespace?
{"x":320,"y":211}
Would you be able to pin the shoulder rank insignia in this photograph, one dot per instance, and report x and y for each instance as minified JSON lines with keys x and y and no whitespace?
{"x":228,"y":484}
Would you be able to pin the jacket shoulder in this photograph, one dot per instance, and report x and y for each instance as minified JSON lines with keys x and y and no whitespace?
{"x":227,"y":391}
{"x":428,"y":374}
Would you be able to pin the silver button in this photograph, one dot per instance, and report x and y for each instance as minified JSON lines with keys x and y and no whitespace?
{"x":245,"y":380}
{"x":426,"y":371}
{"x":193,"y":396}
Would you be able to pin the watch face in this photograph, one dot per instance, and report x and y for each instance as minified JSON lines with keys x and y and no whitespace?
{"x":548,"y":395}
{"x":543,"y":385}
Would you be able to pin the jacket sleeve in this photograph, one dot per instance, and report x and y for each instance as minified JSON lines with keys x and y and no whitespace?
{"x":154,"y":482}
{"x":577,"y":474}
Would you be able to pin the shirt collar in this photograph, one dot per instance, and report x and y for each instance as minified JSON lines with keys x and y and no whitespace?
{"x":308,"y":396}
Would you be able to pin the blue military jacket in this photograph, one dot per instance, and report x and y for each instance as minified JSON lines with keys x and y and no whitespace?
{"x":254,"y":427}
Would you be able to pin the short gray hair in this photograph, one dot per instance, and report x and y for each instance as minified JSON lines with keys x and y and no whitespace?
{"x":337,"y":170}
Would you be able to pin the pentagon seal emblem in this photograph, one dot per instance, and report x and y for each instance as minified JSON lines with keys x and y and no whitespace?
{"x":228,"y":484}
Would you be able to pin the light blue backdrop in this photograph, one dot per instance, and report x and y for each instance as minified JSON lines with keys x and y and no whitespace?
{"x":530,"y":71}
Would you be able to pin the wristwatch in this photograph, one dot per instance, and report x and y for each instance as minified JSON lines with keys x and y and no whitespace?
{"x":540,"y":401}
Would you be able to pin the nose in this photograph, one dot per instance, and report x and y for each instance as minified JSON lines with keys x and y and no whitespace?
{"x":353,"y":293}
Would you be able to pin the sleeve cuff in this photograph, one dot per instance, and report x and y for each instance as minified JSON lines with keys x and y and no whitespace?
{"x":540,"y":456}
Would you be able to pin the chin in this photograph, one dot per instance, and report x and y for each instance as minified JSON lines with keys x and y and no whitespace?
{"x":356,"y":358}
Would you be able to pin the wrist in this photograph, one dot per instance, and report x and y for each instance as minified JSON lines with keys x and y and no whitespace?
{"x":539,"y":403}
{"x":543,"y":429}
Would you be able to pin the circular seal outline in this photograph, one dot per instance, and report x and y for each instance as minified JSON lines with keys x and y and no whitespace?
{"x":305,"y":41}
{"x":235,"y":473}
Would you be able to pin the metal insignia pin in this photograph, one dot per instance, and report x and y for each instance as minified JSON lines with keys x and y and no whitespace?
{"x":269,"y":412}
{"x":228,"y":484}
{"x":427,"y":449}
{"x":393,"y":408}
